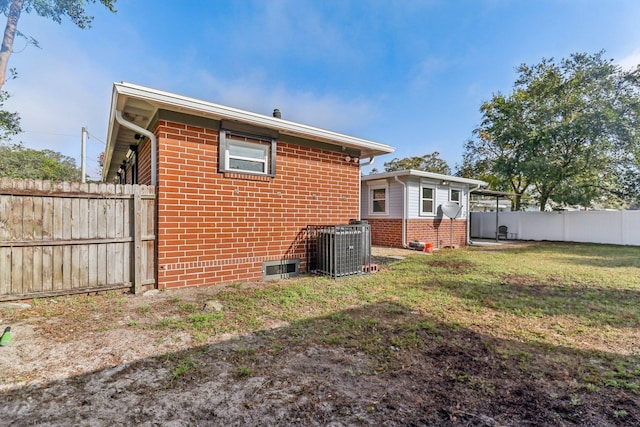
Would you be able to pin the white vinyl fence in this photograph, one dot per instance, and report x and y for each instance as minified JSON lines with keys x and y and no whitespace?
{"x":611,"y":227}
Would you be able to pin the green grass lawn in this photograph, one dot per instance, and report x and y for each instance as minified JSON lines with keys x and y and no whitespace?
{"x":542,"y":333}
{"x":562,"y":319}
{"x":582,"y":296}
{"x":577,"y":297}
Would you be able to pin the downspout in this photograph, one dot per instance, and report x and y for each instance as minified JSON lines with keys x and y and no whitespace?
{"x":404,"y":212}
{"x":152,"y":138}
{"x":369,"y":162}
{"x":469,"y":242}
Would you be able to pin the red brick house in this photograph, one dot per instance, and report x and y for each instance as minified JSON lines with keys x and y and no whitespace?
{"x":235,"y":189}
{"x":407,"y":206}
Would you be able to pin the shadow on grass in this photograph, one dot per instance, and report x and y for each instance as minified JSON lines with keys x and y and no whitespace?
{"x":525,"y":295}
{"x":539,"y":280}
{"x":379,"y":364}
{"x":583,"y":254}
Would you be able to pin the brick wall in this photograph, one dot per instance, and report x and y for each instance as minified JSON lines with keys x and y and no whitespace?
{"x":437,"y":231}
{"x":143,"y":158}
{"x":220,"y":228}
{"x":388,"y":231}
{"x":129,"y":175}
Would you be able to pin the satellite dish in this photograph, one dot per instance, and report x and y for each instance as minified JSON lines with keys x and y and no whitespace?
{"x":451,"y":209}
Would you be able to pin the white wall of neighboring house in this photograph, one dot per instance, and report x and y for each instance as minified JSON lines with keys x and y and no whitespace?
{"x":396,"y":196}
{"x":611,"y":227}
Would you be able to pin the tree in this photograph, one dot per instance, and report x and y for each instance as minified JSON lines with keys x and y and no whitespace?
{"x":51,"y":9}
{"x":9,"y":122}
{"x":566,"y":133}
{"x":16,"y":161}
{"x":428,"y":163}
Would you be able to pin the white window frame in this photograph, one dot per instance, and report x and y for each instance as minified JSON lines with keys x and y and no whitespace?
{"x":372,"y":189}
{"x":434,"y":190}
{"x":264,"y":160}
{"x":459,"y":190}
{"x":267,"y":145}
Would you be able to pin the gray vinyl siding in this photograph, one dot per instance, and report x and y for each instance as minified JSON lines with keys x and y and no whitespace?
{"x":364,"y":200}
{"x":441,"y":196}
{"x":394,"y":200}
{"x":413,"y":204}
{"x":414,"y":184}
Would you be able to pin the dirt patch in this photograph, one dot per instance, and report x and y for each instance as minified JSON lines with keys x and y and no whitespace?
{"x":492,"y":245}
{"x":383,"y":251}
{"x":452,"y":266}
{"x":549,"y":287}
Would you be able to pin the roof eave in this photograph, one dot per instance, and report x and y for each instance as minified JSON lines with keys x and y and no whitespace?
{"x":185,"y":104}
{"x":428,"y":175}
{"x":111,"y":133}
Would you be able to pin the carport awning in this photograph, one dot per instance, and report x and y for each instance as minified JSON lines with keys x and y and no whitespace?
{"x":498,"y":195}
{"x":491,"y":193}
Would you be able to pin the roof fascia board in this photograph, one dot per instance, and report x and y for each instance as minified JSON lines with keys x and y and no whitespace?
{"x":111,"y":132}
{"x":423,"y":174}
{"x":181,"y":103}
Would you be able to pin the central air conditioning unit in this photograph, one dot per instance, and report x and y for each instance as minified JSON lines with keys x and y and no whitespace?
{"x":339,"y":250}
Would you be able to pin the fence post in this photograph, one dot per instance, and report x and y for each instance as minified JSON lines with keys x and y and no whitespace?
{"x":137,"y":240}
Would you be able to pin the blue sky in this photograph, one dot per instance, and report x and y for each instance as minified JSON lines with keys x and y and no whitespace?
{"x":411,"y":74}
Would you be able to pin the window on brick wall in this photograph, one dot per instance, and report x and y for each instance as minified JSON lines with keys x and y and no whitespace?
{"x":249,"y":154}
{"x":427,"y":200}
{"x":379,"y":203}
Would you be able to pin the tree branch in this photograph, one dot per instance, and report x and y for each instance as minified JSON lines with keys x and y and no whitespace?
{"x":9,"y":36}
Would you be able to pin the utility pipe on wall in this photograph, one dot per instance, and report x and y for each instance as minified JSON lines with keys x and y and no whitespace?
{"x":469,"y":242}
{"x":404,"y":212}
{"x":83,"y":155}
{"x":152,"y":138}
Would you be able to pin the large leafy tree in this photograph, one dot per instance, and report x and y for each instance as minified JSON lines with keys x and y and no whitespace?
{"x":568,"y":133}
{"x":55,"y":10}
{"x":16,"y":161}
{"x":428,"y":163}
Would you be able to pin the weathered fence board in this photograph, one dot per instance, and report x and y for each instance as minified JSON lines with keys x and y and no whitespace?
{"x":63,"y":238}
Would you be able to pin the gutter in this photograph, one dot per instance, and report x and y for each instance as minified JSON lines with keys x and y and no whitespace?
{"x":152,"y":138}
{"x":404,"y":213}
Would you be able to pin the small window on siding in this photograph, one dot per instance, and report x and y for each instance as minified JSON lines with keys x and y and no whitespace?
{"x":379,"y":200}
{"x":455,"y":195}
{"x":247,"y":154}
{"x":427,"y":200}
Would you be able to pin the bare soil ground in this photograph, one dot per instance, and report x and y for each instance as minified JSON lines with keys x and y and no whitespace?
{"x":93,"y":365}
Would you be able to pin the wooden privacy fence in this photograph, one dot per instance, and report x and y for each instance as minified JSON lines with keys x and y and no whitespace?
{"x":66,"y":238}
